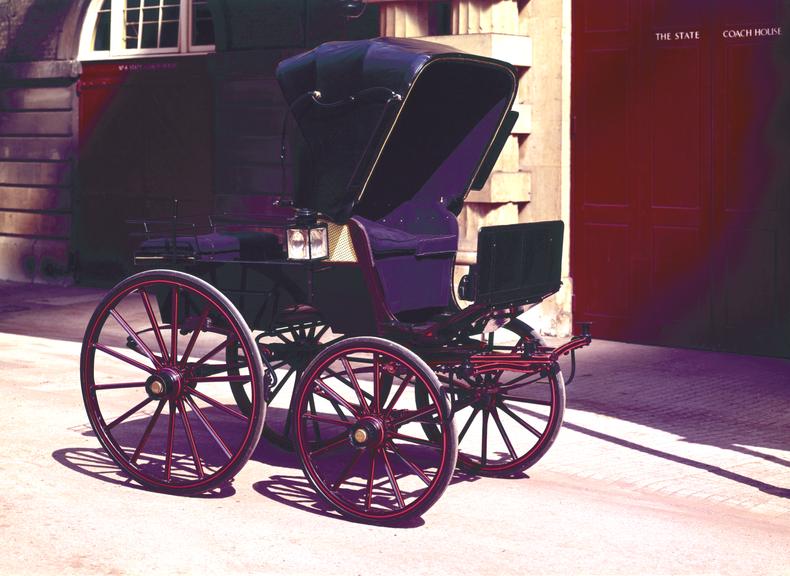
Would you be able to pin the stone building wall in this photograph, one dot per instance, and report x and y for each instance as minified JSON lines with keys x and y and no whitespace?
{"x":37,"y":130}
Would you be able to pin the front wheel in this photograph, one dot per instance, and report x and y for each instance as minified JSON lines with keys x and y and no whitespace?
{"x":155,"y":377}
{"x":359,"y":431}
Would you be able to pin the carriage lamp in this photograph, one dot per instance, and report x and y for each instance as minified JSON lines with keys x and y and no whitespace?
{"x":307,"y":238}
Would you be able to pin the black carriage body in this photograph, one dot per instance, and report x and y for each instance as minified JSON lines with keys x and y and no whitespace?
{"x":396,"y":133}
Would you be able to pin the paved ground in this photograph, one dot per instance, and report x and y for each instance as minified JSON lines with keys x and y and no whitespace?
{"x":670,"y":462}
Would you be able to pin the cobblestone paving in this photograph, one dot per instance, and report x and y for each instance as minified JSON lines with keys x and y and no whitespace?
{"x":683,"y":423}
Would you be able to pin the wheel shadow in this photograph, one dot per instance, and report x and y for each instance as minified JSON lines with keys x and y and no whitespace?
{"x":294,"y":490}
{"x":97,"y":464}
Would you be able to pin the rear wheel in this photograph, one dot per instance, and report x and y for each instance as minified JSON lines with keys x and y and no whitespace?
{"x":359,"y":434}
{"x":155,"y":382}
{"x":507,"y":421}
{"x":289,"y":350}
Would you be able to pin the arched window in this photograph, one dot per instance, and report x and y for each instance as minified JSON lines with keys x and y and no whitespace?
{"x":131,"y":28}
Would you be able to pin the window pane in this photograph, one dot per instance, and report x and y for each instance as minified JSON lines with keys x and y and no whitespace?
{"x":152,"y":3}
{"x":169,"y":37}
{"x":170,"y":14}
{"x":101,"y":37}
{"x":131,"y":36}
{"x":132,"y":3}
{"x":106,"y":5}
{"x":150,"y":35}
{"x":202,"y":24}
{"x":151,"y":15}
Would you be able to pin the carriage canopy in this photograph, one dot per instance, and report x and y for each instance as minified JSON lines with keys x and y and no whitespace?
{"x":390,"y":120}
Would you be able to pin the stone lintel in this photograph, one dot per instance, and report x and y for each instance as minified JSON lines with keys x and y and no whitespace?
{"x":503,"y":187}
{"x":63,"y":71}
{"x":523,"y":125}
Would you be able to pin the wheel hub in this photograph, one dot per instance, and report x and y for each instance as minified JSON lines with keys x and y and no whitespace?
{"x":166,"y":383}
{"x":368,"y":432}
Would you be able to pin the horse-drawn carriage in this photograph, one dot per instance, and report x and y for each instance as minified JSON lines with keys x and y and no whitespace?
{"x":334,"y":329}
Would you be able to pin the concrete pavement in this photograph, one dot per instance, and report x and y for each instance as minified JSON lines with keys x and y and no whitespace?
{"x":669,"y":462}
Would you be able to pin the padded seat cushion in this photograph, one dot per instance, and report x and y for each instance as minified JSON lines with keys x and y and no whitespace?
{"x":385,"y":240}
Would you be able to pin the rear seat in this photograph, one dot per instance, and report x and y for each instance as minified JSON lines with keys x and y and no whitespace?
{"x":386,"y":240}
{"x":413,"y":252}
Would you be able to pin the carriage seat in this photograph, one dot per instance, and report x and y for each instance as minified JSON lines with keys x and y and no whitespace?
{"x":413,"y":251}
{"x":251,"y":246}
{"x":386,"y":240}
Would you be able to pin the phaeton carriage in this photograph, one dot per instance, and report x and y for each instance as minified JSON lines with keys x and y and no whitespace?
{"x":340,"y":314}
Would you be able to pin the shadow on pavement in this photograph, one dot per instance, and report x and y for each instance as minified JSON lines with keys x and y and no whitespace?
{"x":95,"y":462}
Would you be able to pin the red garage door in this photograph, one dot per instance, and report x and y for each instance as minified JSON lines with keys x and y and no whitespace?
{"x":145,"y":140}
{"x":680,"y":205}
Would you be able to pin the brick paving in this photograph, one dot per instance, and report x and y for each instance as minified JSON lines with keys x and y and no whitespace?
{"x":683,"y":423}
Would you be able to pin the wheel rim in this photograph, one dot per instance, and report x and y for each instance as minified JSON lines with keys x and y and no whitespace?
{"x":155,"y":387}
{"x":360,"y":440}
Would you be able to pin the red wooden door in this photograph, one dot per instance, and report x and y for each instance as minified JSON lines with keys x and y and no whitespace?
{"x":145,"y":139}
{"x":674,"y":221}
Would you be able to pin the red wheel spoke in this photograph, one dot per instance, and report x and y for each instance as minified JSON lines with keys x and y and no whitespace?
{"x":330,"y":445}
{"x":193,"y":447}
{"x":214,"y":351}
{"x":354,"y":381}
{"x":525,"y":400}
{"x":398,"y":394}
{"x":316,"y":427}
{"x":376,"y":384}
{"x":414,"y":415}
{"x":128,"y":413}
{"x":207,"y":425}
{"x":484,"y":441}
{"x":327,"y":419}
{"x":216,"y":404}
{"x":369,"y":496}
{"x":420,"y":441}
{"x":174,"y":324}
{"x":518,"y":419}
{"x":347,"y":470}
{"x":119,"y":385}
{"x":505,"y":437}
{"x":148,"y":430}
{"x":154,"y":324}
{"x":393,"y":481}
{"x":171,"y":430}
{"x":133,"y":335}
{"x":119,"y":356}
{"x":339,"y":399}
{"x":412,"y":466}
{"x":468,"y":423}
{"x":337,"y":375}
{"x":194,"y":337}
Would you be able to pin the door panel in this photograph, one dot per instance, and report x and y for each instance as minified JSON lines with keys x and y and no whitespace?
{"x":679,"y":207}
{"x":145,"y":140}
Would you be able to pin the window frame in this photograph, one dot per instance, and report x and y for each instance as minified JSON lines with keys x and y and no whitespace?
{"x":118,"y":48}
